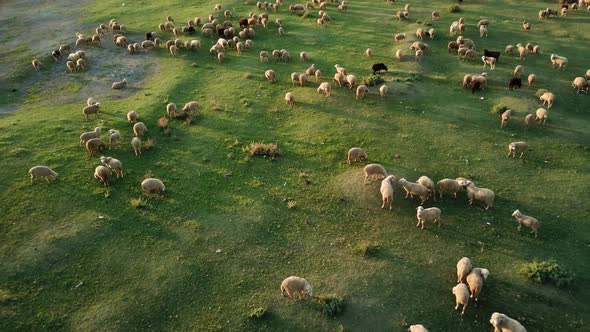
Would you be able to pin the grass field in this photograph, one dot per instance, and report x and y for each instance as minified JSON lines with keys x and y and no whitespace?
{"x":75,"y":255}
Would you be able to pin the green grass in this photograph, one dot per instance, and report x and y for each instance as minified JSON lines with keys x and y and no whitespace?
{"x":78,"y":256}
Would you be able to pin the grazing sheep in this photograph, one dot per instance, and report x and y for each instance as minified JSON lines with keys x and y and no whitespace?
{"x":560,"y":61}
{"x":91,"y":101}
{"x":356,"y":154}
{"x":139,"y":129}
{"x":518,"y":71}
{"x":311,"y":70}
{"x":378,"y":67}
{"x":461,"y":293}
{"x":302,"y":79}
{"x":431,"y":214}
{"x":503,"y":323}
{"x":450,"y":186}
{"x":263,"y":56}
{"x":505,"y":117}
{"x":375,"y":171}
{"x":131,"y":117}
{"x":580,"y":84}
{"x":491,"y":61}
{"x":383,"y":89}
{"x":428,"y":183}
{"x":92,"y":109}
{"x":531,"y":79}
{"x":289,"y":99}
{"x":113,"y":164}
{"x":514,"y":83}
{"x":541,"y":114}
{"x":42,"y":172}
{"x":368,"y":52}
{"x":270,"y":75}
{"x":114,"y":137}
{"x":399,"y":37}
{"x":509,"y":49}
{"x":517,"y":147}
{"x":547,"y":98}
{"x":480,"y":194}
{"x":483,"y":31}
{"x":399,"y":55}
{"x":475,"y":281}
{"x":431,"y":33}
{"x":521,"y":51}
{"x":318,"y":75}
{"x":420,"y":33}
{"x":351,"y":81}
{"x":171,"y":110}
{"x":417,"y":189}
{"x":89,"y":135}
{"x":173,"y":49}
{"x":526,"y":26}
{"x":435,"y":15}
{"x":303,"y":56}
{"x":324,"y":89}
{"x":361,"y":91}
{"x":588,"y":71}
{"x":417,"y":328}
{"x":71,"y":65}
{"x":339,"y":79}
{"x":103,"y":174}
{"x":94,"y":145}
{"x":536,"y":50}
{"x":191,"y":106}
{"x":476,"y":85}
{"x":81,"y":64}
{"x":220,"y":57}
{"x":119,"y":84}
{"x":463,"y":268}
{"x":296,"y":288}
{"x":152,"y":185}
{"x":387,"y":191}
{"x":419,"y":46}
{"x":528,"y":221}
{"x":36,"y":64}
{"x":341,"y":70}
{"x":419,"y":55}
{"x":467,"y":80}
{"x":294,"y":78}
{"x":136,"y":144}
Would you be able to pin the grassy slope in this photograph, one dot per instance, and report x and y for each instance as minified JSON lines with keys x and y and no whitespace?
{"x":158,"y":267}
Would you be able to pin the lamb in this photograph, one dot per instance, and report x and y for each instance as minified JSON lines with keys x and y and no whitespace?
{"x":503,"y":323}
{"x":119,"y":84}
{"x":296,"y":287}
{"x":139,"y":129}
{"x":318,"y":75}
{"x":417,"y":328}
{"x":94,"y":145}
{"x":463,"y":268}
{"x":517,"y":71}
{"x":42,"y":172}
{"x":481,"y":194}
{"x":514,"y":83}
{"x":541,"y":114}
{"x":450,"y":186}
{"x":560,"y":61}
{"x":430,"y":214}
{"x":361,"y":91}
{"x":547,"y":98}
{"x":89,"y":135}
{"x":412,"y":189}
{"x":491,"y":61}
{"x":580,"y":84}
{"x":505,"y":117}
{"x":517,"y":147}
{"x":461,"y":296}
{"x":324,"y":89}
{"x":340,"y":69}
{"x":428,"y":183}
{"x":351,"y":81}
{"x":289,"y":99}
{"x":356,"y":154}
{"x":103,"y":174}
{"x":383,"y":89}
{"x":528,"y":221}
{"x":374,"y":171}
{"x":92,"y":109}
{"x":387,"y":191}
{"x":36,"y":64}
{"x":152,"y":185}
{"x":270,"y":75}
{"x":377,"y":67}
{"x":531,"y":79}
{"x":131,"y":117}
{"x":475,"y":281}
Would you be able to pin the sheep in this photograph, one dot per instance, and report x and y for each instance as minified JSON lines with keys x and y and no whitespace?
{"x":119,"y":84}
{"x":580,"y":84}
{"x":461,"y":292}
{"x":489,"y":60}
{"x":378,"y":67}
{"x":191,"y":106}
{"x":536,"y":50}
{"x":413,"y":188}
{"x":121,"y":41}
{"x":463,"y":268}
{"x":417,"y":328}
{"x":420,"y":33}
{"x":318,"y":75}
{"x":467,"y":80}
{"x":368,"y":52}
{"x":311,"y":70}
{"x":42,"y":172}
{"x":401,"y":15}
{"x":450,"y":186}
{"x":454,"y":28}
{"x":514,"y":83}
{"x":505,"y":117}
{"x":587,"y":74}
{"x":103,"y":174}
{"x":509,"y":50}
{"x":356,"y":154}
{"x":270,"y":75}
{"x":139,"y":129}
{"x":340,"y":69}
{"x":361,"y":91}
{"x":503,"y":323}
{"x":419,"y":46}
{"x":399,"y":55}
{"x":547,"y":98}
{"x":294,"y":78}
{"x":563,"y":11}
{"x":36,"y":64}
{"x":302,"y":79}
{"x":92,"y":109}
{"x":351,"y":81}
{"x":339,"y":79}
{"x":399,"y":37}
{"x":480,"y":194}
{"x":431,"y":214}
{"x":89,"y":135}
{"x":383,"y":89}
{"x":80,"y":64}
{"x":531,"y":79}
{"x":289,"y":99}
{"x":375,"y":171}
{"x":71,"y":65}
{"x":419,"y":55}
{"x":526,"y":26}
{"x":476,"y":85}
{"x":113,"y":164}
{"x":431,"y":33}
{"x":131,"y":117}
{"x":528,"y":221}
{"x":324,"y":89}
{"x":114,"y":137}
{"x":152,"y":185}
{"x":483,"y":22}
{"x":387,"y":191}
{"x":517,"y":147}
{"x":296,"y":288}
{"x":475,"y":281}
{"x":483,"y":32}
{"x":541,"y":114}
{"x":560,"y":61}
{"x":263,"y":56}
{"x":303,"y":56}
{"x":435,"y":16}
{"x":136,"y":144}
{"x":428,"y":183}
{"x":521,"y":51}
{"x":518,"y":71}
{"x":94,"y":145}
{"x":220,"y":57}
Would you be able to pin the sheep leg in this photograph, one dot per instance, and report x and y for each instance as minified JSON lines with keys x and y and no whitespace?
{"x":383,"y":202}
{"x":391,"y":203}
{"x":418,"y":224}
{"x":32,"y":179}
{"x":463,"y":312}
{"x":457,"y":306}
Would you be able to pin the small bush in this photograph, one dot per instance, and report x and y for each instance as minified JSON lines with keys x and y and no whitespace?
{"x":372,"y":80}
{"x":546,"y":272}
{"x":257,"y":313}
{"x":138,"y":203}
{"x":148,"y":144}
{"x":291,"y":204}
{"x":540,"y":92}
{"x":454,"y":9}
{"x":263,"y":149}
{"x":6,"y":297}
{"x":331,"y":305}
{"x":365,"y":249}
{"x":499,"y":109}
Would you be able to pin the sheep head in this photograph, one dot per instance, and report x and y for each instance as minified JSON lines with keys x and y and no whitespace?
{"x":484,"y":273}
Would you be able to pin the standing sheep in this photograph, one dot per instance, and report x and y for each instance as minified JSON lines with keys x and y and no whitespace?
{"x":89,"y":135}
{"x":131,"y":117}
{"x":531,"y":79}
{"x":94,"y":145}
{"x":431,"y":214}
{"x":517,"y":147}
{"x":417,"y":328}
{"x":139,"y":129}
{"x":374,"y":171}
{"x":294,"y":78}
{"x":383,"y":89}
{"x":503,"y":323}
{"x":387,"y":191}
{"x":517,"y":71}
{"x":356,"y":154}
{"x":417,"y":189}
{"x":560,"y":61}
{"x":42,"y":172}
{"x":528,"y":221}
{"x":475,"y":281}
{"x":152,"y":185}
{"x":136,"y":144}
{"x":368,"y":52}
{"x":505,"y":117}
{"x":113,"y":164}
{"x":489,"y":60}
{"x":541,"y":114}
{"x":270,"y":75}
{"x":296,"y":287}
{"x":103,"y":174}
{"x":361,"y":91}
{"x":318,"y":75}
{"x":303,"y":56}
{"x":547,"y":98}
{"x":324,"y":89}
{"x":119,"y":84}
{"x":351,"y":81}
{"x":481,"y":194}
{"x":428,"y":183}
{"x":36,"y":64}
{"x":114,"y":137}
{"x":580,"y":84}
{"x":528,"y":121}
{"x":461,"y":293}
{"x":450,"y":186}
{"x":289,"y":99}
{"x":463,"y":268}
{"x":264,"y":56}
{"x":93,"y":109}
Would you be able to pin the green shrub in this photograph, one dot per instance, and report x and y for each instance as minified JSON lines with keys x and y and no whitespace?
{"x":454,"y":9}
{"x":330,"y":304}
{"x":372,"y":80}
{"x":546,"y":272}
{"x":257,"y":313}
{"x":138,"y":203}
{"x":262,"y":149}
{"x":540,"y":92}
{"x":365,"y":249}
{"x":499,"y":108}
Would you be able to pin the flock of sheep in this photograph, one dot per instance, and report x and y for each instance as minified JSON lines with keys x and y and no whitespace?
{"x":239,"y":38}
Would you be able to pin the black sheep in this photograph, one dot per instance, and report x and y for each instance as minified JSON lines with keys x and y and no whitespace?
{"x":492,"y":54}
{"x":377,"y":67}
{"x":243,"y":23}
{"x":475,"y":85}
{"x":191,"y":29}
{"x":149,"y":36}
{"x":220,"y":32}
{"x":56,"y":54}
{"x":514,"y":83}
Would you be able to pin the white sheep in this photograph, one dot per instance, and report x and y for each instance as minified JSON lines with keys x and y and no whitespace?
{"x":131,"y":117}
{"x":450,"y":186}
{"x":517,"y":148}
{"x":289,"y":99}
{"x":42,"y":172}
{"x":152,"y":185}
{"x":296,"y":288}
{"x":139,"y":129}
{"x":103,"y":174}
{"x":89,"y":135}
{"x":461,"y":292}
{"x":113,"y":164}
{"x":528,"y":221}
{"x":399,"y":37}
{"x":489,"y":60}
{"x":119,"y":84}
{"x":374,"y":171}
{"x":505,"y":117}
{"x":191,"y":106}
{"x":432,"y":214}
{"x":547,"y":98}
{"x":304,"y":56}
{"x":481,"y":194}
{"x":114,"y":137}
{"x":531,"y":79}
{"x":351,"y":81}
{"x":36,"y":64}
{"x":483,"y":31}
{"x":387,"y":191}
{"x":417,"y":328}
{"x":92,"y":109}
{"x":263,"y":56}
{"x":428,"y":183}
{"x":341,"y":70}
{"x":136,"y":144}
{"x":503,"y":323}
{"x":361,"y":91}
{"x":580,"y":84}
{"x":475,"y":281}
{"x":356,"y":154}
{"x":560,"y":61}
{"x":463,"y":268}
{"x":541,"y":114}
{"x":413,"y":188}
{"x":318,"y":75}
{"x":383,"y":89}
{"x":324,"y":89}
{"x":91,"y":101}
{"x":295,"y":78}
{"x":517,"y":71}
{"x":528,"y":121}
{"x":368,"y":52}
